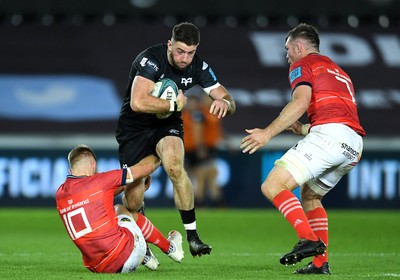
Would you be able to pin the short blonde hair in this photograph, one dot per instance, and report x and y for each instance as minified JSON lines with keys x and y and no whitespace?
{"x":79,"y":152}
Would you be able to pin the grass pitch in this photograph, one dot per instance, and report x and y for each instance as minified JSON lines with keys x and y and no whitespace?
{"x":246,"y":244}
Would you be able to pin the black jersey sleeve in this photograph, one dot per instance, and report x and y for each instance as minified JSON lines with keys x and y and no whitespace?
{"x":150,"y":63}
{"x":207,"y":78}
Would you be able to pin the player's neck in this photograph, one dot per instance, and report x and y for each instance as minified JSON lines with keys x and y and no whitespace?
{"x":81,"y":172}
{"x":312,"y":52}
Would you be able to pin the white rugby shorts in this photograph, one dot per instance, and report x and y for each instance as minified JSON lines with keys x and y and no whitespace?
{"x":139,"y":249}
{"x":327,"y":153}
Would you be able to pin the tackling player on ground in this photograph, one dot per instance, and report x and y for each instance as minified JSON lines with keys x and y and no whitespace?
{"x":108,"y":237}
{"x":332,"y":145}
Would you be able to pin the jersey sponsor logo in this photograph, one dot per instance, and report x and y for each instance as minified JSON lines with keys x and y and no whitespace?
{"x":349,"y":152}
{"x":186,"y":81}
{"x":294,"y":74}
{"x":174,"y":131}
{"x":72,"y":205}
{"x":143,"y":62}
{"x":146,"y":62}
{"x":336,"y":73}
{"x":152,"y":65}
{"x":205,"y":65}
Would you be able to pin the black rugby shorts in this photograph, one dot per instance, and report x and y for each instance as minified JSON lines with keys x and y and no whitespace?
{"x":145,"y":142}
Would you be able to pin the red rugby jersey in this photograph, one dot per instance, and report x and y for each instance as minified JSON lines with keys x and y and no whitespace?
{"x":333,"y":97}
{"x":86,"y":207}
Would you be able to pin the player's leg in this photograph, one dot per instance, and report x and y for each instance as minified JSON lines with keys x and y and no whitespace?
{"x":311,"y":196}
{"x":171,"y":151}
{"x":344,"y":154}
{"x":308,"y":159}
{"x":130,"y":153}
{"x":133,"y":199}
{"x":126,"y":220}
{"x":134,"y":195}
{"x":278,"y":189}
{"x":171,"y":246}
{"x":318,"y":220}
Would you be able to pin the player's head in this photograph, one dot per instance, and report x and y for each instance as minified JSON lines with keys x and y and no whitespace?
{"x":183,"y":44}
{"x":187,"y":33}
{"x":82,"y":156}
{"x":300,"y":41}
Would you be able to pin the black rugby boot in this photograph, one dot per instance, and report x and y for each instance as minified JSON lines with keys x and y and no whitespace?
{"x":310,"y":268}
{"x":198,"y":248}
{"x":303,"y":249}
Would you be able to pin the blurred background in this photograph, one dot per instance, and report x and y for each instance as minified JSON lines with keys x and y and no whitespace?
{"x":65,"y":65}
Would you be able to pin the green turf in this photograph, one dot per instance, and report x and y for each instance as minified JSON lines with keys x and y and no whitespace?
{"x":246,"y":244}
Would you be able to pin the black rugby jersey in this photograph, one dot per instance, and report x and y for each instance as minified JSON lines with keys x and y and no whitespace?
{"x":153,"y":64}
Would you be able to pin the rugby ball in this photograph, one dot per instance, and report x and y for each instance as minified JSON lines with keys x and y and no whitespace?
{"x":165,"y":89}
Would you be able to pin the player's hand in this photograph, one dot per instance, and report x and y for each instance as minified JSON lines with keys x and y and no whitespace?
{"x":256,"y":139}
{"x":299,"y":128}
{"x":219,"y":108}
{"x":296,"y":128}
{"x":181,"y":100}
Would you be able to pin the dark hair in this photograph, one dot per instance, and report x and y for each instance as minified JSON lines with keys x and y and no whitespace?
{"x":305,"y":31}
{"x":187,"y":33}
{"x":78,"y":153}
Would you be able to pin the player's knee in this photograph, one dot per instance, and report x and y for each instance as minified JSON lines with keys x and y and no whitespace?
{"x":175,"y":172}
{"x":132,"y":203}
{"x":266,"y":191}
{"x":270,"y":191}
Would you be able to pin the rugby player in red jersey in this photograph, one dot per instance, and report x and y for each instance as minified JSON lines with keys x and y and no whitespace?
{"x":110,"y":238}
{"x":332,"y":145}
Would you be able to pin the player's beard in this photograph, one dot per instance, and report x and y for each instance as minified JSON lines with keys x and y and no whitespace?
{"x":175,"y":64}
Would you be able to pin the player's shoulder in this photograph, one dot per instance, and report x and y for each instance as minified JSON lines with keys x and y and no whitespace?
{"x":315,"y":58}
{"x":306,"y":63}
{"x":154,"y":56}
{"x":151,"y":62}
{"x":199,"y":63}
{"x":201,"y":69}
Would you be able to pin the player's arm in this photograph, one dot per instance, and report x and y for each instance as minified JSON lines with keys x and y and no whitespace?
{"x":292,"y":112}
{"x":142,"y":100}
{"x":223,"y":103}
{"x":142,"y":169}
{"x":299,"y":128}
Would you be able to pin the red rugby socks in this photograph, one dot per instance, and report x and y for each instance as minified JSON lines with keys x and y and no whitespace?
{"x":290,"y":207}
{"x":318,"y":220}
{"x":152,"y":234}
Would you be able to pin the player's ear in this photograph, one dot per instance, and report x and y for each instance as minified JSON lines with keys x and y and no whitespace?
{"x":297,"y":47}
{"x":93,"y":165}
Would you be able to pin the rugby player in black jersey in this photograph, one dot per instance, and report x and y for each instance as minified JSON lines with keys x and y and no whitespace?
{"x":140,"y":133}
